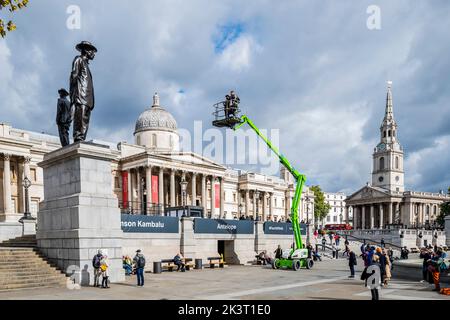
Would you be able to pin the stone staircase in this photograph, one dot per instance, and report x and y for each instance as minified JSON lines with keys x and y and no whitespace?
{"x":23,"y":267}
{"x":28,"y":241}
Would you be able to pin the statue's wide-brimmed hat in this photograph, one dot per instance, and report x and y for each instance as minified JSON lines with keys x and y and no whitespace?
{"x":85,"y":45}
{"x":63,"y":92}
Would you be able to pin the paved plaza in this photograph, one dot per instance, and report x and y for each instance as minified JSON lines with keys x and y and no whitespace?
{"x":328,"y":280}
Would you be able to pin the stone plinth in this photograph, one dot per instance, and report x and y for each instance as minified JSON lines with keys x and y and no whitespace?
{"x":80,"y":213}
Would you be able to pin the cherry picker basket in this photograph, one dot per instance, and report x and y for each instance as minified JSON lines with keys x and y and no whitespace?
{"x":226,"y":115}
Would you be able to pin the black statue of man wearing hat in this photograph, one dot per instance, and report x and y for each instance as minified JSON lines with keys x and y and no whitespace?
{"x":82,"y":90}
{"x":63,"y":117}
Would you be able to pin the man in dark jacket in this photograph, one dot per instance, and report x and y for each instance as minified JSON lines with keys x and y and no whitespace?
{"x":425,"y":254}
{"x":178,"y":260}
{"x":352,"y":263}
{"x":63,"y":117}
{"x":278,"y":252}
{"x":96,"y":265}
{"x":139,"y":261}
{"x":82,"y":90}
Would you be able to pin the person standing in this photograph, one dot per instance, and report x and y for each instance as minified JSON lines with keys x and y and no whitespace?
{"x":139,"y":261}
{"x":104,"y":266}
{"x":82,"y":90}
{"x":278,"y":252}
{"x":352,"y":263}
{"x":324,"y":242}
{"x":63,"y":117}
{"x":387,"y":270}
{"x":96,"y":263}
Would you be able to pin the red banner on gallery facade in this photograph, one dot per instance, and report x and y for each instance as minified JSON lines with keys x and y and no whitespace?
{"x":125,"y":189}
{"x":155,"y":194}
{"x":217,"y":194}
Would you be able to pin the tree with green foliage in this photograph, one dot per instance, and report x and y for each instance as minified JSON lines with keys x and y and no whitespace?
{"x":321,"y":208}
{"x":445,"y":211}
{"x":11,"y":6}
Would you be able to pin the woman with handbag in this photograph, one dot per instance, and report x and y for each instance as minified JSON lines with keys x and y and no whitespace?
{"x":104,"y":266}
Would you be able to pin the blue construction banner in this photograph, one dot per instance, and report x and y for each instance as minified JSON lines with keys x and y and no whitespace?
{"x":282,"y":228}
{"x":223,"y":226}
{"x":149,"y":224}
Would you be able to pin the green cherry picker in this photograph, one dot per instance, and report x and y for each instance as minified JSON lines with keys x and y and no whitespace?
{"x":227,"y":115}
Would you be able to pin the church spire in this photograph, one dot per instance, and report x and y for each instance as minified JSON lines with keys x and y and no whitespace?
{"x":156,"y":99}
{"x":389,"y":115}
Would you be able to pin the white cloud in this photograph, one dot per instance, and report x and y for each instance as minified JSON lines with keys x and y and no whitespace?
{"x":238,"y":55}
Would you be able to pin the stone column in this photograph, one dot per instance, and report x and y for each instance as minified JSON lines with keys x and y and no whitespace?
{"x":390,"y":209}
{"x":372,"y":217}
{"x":363,"y":217}
{"x":381,"y":216}
{"x":264,"y":206}
{"x":204,"y":192}
{"x":194,"y":188}
{"x":396,"y":209}
{"x":148,"y":183}
{"x":27,"y":174}
{"x":213,"y":197}
{"x":172,"y":188}
{"x":139,"y":193}
{"x":254,"y":204}
{"x":271,"y":204}
{"x":161,"y":187}
{"x":355,"y":217}
{"x":7,"y":184}
{"x":247,"y":203}
{"x":222,"y":196}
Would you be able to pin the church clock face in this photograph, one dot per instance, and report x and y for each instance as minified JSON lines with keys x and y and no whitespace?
{"x":381,"y":147}
{"x":380,"y":179}
{"x":397,"y":178}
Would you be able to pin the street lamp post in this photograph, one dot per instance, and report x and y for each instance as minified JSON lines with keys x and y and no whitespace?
{"x":257,"y":204}
{"x":26,"y":214}
{"x":183,"y":184}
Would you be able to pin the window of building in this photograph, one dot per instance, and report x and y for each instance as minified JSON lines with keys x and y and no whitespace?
{"x":334,"y":209}
{"x":381,"y":163}
{"x":275,"y":202}
{"x":138,"y":140}
{"x":282,"y":203}
{"x":334,"y":218}
{"x":13,"y":174}
{"x":328,"y":218}
{"x":116,"y":182}
{"x":389,"y":133}
{"x":396,"y":162}
{"x":384,"y":134}
{"x":154,"y":140}
{"x":34,"y":206}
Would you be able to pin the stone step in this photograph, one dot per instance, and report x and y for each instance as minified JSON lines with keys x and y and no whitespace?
{"x":16,"y":286}
{"x":34,"y":278}
{"x":30,"y":271}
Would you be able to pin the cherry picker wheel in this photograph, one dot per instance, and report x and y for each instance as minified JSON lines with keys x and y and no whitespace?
{"x":296,"y":265}
{"x":309,"y":263}
{"x":276,"y":264}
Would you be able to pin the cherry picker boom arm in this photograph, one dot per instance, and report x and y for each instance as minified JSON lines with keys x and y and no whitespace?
{"x":299,"y":178}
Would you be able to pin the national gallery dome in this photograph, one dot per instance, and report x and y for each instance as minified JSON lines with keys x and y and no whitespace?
{"x":156,"y":129}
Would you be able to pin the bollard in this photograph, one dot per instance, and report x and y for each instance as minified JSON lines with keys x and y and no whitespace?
{"x":156,"y":267}
{"x":198,"y":264}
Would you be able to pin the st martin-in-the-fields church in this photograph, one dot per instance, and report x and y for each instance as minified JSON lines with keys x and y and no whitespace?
{"x":385,"y":201}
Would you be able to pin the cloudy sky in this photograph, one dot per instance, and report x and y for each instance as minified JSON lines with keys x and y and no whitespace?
{"x":312,"y":69}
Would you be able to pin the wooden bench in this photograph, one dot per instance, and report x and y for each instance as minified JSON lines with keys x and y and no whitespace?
{"x":215,"y":260}
{"x":170,"y":264}
{"x":260,"y":260}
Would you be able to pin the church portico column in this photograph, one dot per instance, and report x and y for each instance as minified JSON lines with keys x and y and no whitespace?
{"x":381,"y":224}
{"x":264,"y":206}
{"x":372,"y":217}
{"x":390,"y":212}
{"x":271,"y":204}
{"x":130,"y":195}
{"x":138,"y":188}
{"x":363,"y":217}
{"x":397,"y":214}
{"x":254,"y":204}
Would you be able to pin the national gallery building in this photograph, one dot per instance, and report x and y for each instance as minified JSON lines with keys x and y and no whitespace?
{"x":148,"y":177}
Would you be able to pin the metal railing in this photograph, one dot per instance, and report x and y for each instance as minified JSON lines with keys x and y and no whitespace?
{"x":144,"y":208}
{"x":370,"y":241}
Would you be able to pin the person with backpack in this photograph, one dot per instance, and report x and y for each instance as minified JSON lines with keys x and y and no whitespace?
{"x":365,"y":276}
{"x":104,"y":266}
{"x":178,"y":260}
{"x":96,"y":265}
{"x":352,"y":263}
{"x":139,"y":261}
